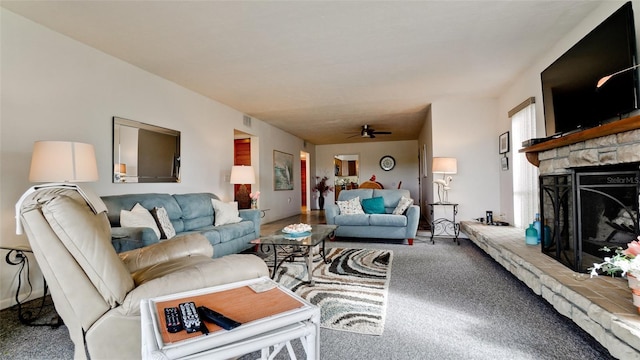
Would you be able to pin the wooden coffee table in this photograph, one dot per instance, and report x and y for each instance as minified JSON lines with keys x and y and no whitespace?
{"x":270,"y":318}
{"x":283,"y":247}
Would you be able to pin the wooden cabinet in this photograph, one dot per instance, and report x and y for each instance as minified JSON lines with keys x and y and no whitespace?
{"x":351,"y":168}
{"x":346,"y":168}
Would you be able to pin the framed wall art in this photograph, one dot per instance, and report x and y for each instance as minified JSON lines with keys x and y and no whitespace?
{"x":504,"y":162}
{"x":503,"y":143}
{"x":282,"y":170}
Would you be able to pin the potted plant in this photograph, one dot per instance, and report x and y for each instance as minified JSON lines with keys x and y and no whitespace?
{"x":624,"y":261}
{"x":321,"y":189}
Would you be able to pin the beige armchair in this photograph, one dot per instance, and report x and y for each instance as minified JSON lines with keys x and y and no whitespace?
{"x":96,"y":291}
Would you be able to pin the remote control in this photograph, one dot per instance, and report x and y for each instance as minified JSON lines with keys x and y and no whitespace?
{"x":172,"y":319}
{"x":217,"y":318}
{"x":190,"y":318}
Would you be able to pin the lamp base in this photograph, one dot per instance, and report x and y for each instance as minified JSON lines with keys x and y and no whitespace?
{"x":242,"y":197}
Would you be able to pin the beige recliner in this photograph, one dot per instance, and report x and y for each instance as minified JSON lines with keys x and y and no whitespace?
{"x":96,"y":291}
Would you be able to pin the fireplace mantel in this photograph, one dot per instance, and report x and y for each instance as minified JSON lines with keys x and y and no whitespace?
{"x":631,"y":123}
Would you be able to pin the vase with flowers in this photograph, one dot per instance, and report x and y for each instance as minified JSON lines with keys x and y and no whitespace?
{"x":321,"y":189}
{"x":254,"y":199}
{"x":625,"y":262}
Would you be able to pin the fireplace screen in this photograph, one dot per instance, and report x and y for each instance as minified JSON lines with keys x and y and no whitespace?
{"x":588,"y":210}
{"x":557,"y":203}
{"x":608,"y":203}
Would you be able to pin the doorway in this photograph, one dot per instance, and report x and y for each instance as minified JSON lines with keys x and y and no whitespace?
{"x":242,"y":156}
{"x":346,"y":172}
{"x":304,"y":182}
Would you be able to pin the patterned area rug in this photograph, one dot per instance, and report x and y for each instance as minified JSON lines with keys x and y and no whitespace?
{"x":351,"y":291}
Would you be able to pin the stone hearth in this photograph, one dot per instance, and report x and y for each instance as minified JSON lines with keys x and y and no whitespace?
{"x":602,"y":306}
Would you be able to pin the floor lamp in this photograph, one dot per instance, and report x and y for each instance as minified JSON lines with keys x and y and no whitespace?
{"x":242,"y":175}
{"x":444,"y":166}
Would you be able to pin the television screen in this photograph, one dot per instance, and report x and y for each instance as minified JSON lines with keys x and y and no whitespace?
{"x":571,"y":100}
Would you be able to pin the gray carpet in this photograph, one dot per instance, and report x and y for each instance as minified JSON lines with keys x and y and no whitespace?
{"x":445,"y":302}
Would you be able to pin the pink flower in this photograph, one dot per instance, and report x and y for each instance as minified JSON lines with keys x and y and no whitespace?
{"x":633,"y":248}
{"x":255,"y":195}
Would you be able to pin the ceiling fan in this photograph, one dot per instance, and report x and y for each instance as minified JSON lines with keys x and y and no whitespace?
{"x":369,"y":132}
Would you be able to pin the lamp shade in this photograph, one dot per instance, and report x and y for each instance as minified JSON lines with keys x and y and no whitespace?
{"x":241,"y":174}
{"x":443,"y":165}
{"x":120,"y":168}
{"x":63,"y":161}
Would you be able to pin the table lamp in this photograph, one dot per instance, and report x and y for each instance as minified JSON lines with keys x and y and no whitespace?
{"x":59,"y":164}
{"x":444,"y":166}
{"x":119,"y":172}
{"x":242,"y":175}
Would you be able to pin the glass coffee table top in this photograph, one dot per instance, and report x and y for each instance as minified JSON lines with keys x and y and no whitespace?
{"x":318,"y":234}
{"x":281,"y":247}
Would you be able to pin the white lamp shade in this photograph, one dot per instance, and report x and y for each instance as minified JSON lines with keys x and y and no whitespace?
{"x":120,"y":169}
{"x":63,"y":161}
{"x":241,"y":174}
{"x":443,"y":165}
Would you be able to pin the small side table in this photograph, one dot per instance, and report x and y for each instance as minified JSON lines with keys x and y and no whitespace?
{"x":445,"y":226}
{"x":17,"y":256}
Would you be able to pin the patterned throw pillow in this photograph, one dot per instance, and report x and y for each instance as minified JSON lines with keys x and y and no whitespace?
{"x":350,"y":207}
{"x":402,"y":206}
{"x":138,"y":217}
{"x":164,"y":224}
{"x":225,"y":213}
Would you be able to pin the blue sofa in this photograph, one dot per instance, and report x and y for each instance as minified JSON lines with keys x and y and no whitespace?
{"x":377,"y":226}
{"x":189,"y":213}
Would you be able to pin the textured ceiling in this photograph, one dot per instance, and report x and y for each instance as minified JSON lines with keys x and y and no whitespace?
{"x":320,"y":70}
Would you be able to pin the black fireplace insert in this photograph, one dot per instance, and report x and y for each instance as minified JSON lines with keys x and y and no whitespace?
{"x":589,"y":209}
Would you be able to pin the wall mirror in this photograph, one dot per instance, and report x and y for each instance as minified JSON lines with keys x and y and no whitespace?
{"x":346,"y":169}
{"x":144,"y":153}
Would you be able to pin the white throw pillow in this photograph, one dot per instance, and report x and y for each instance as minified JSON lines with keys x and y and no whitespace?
{"x":402,"y":206}
{"x":225,"y":213}
{"x":350,"y":207}
{"x":164,"y":224}
{"x":138,"y":217}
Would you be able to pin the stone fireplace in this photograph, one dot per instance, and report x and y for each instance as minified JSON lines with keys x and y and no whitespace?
{"x":589,"y":191}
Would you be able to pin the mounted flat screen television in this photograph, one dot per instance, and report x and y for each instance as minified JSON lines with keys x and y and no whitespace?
{"x":571,"y":100}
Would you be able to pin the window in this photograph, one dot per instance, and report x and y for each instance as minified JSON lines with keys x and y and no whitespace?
{"x":525,"y":175}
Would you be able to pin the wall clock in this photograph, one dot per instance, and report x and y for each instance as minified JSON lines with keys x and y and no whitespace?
{"x":387,"y":162}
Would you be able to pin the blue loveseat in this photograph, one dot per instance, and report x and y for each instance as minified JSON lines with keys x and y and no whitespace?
{"x":188,"y":213}
{"x":376,"y":226}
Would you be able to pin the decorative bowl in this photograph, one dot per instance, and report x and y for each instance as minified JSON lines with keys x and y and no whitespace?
{"x":297,"y":229}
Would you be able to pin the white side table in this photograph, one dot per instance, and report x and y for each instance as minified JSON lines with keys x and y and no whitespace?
{"x":275,"y":331}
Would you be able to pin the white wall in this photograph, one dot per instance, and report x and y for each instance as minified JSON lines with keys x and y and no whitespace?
{"x":528,"y":84}
{"x":54,"y":88}
{"x":466,"y":129}
{"x":404,"y":152}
